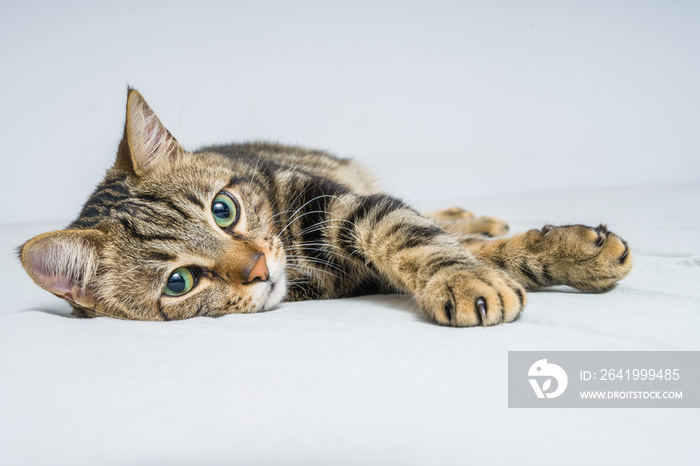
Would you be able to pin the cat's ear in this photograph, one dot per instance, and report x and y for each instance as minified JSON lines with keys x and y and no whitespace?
{"x":147,"y":145}
{"x":64,"y":263}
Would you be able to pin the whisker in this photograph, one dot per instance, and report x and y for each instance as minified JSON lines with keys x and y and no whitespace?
{"x":291,"y":204}
{"x":316,"y":269}
{"x":300,"y":248}
{"x":294,"y":216}
{"x":315,"y":244}
{"x":318,"y":261}
{"x":323,"y":225}
{"x":320,"y":226}
{"x":295,"y":198}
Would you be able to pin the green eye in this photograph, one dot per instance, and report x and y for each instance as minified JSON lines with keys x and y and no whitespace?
{"x":224,"y":210}
{"x":180,"y":282}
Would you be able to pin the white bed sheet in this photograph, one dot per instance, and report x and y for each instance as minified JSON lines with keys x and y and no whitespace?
{"x":353,"y":381}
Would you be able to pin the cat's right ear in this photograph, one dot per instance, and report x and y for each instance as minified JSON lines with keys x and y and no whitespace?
{"x":147,"y":145}
{"x":64,"y":263}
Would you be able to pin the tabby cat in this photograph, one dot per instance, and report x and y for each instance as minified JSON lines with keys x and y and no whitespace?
{"x":171,"y":234}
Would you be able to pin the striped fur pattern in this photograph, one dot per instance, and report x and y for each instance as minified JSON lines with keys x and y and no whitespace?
{"x":308,"y":226}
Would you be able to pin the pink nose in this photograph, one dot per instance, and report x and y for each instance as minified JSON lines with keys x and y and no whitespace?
{"x":259,"y":270}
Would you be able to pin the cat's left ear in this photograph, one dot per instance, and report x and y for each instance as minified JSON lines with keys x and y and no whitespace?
{"x":65,"y":263}
{"x":147,"y":145}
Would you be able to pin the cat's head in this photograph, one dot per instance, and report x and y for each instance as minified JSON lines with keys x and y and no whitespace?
{"x":167,"y":235}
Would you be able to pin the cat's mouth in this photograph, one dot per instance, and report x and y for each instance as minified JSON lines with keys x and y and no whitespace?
{"x":278,"y":288}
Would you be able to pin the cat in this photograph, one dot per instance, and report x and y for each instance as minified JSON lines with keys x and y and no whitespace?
{"x":171,"y":234}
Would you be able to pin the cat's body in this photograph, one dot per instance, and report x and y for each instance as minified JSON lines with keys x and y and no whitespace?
{"x":170,"y":234}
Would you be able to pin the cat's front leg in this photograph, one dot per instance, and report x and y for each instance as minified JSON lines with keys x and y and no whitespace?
{"x":588,"y":258}
{"x":449,"y":284}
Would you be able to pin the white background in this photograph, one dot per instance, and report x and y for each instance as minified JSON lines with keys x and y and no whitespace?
{"x":443,"y":100}
{"x":440,"y":99}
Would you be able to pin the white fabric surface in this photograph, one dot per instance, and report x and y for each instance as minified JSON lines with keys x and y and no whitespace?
{"x":354,"y":381}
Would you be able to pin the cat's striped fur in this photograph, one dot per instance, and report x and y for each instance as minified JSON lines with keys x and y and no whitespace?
{"x":308,"y":226}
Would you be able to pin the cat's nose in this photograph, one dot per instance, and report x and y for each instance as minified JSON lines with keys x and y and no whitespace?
{"x":259,"y":269}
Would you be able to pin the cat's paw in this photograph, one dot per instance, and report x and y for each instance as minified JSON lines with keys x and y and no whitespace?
{"x":453,"y":213}
{"x":586,"y":258}
{"x":487,"y":226}
{"x":469,"y":297}
{"x":463,"y":222}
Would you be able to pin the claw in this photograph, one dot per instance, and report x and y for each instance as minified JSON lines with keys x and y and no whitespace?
{"x":481,"y":307}
{"x":448,"y":311}
{"x":624,"y":255}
